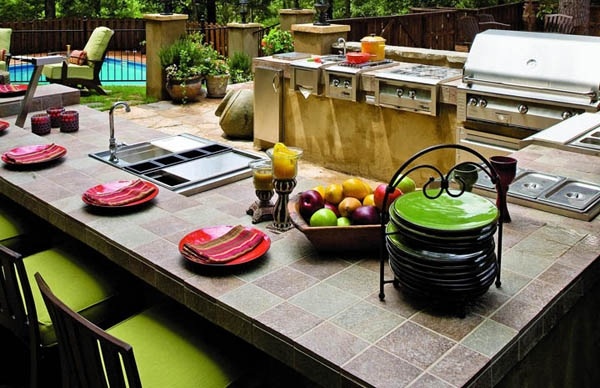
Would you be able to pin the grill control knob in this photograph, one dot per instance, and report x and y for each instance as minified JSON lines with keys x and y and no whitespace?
{"x":566,"y":114}
{"x":399,"y":92}
{"x":522,"y":108}
{"x":473,"y":101}
{"x":412,"y":94}
{"x":347,"y":84}
{"x":483,"y":103}
{"x":336,"y":82}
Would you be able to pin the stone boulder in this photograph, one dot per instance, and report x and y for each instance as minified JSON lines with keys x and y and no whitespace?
{"x":236,"y":113}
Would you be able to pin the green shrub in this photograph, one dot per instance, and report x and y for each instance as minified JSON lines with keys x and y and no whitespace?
{"x":277,"y":41}
{"x":240,"y":67}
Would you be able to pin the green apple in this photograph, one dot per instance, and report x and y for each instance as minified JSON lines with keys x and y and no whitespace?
{"x":323,"y":217}
{"x":343,"y":221}
{"x":407,"y":185}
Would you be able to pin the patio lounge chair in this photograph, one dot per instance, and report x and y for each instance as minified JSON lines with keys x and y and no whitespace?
{"x":5,"y":34}
{"x":83,"y":71}
{"x":562,"y":24}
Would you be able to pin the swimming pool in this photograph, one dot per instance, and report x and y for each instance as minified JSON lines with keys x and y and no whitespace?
{"x":114,"y":71}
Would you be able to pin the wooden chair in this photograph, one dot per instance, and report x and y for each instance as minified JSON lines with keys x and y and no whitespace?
{"x":83,"y":74}
{"x":467,"y":28}
{"x":83,"y":281}
{"x":5,"y":35}
{"x":172,"y":349}
{"x":558,"y":23}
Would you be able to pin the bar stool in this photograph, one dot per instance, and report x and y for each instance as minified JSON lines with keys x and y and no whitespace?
{"x":173,"y":348}
{"x":84,"y":279}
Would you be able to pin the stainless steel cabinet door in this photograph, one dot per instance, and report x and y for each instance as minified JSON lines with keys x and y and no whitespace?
{"x":268,"y":104}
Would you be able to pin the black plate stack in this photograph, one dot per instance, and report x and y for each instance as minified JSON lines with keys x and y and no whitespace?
{"x":439,"y":264}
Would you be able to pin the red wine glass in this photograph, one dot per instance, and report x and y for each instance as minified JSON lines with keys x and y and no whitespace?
{"x":506,"y":168}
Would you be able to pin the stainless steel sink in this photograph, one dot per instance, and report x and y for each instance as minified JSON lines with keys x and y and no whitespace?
{"x":184,"y":163}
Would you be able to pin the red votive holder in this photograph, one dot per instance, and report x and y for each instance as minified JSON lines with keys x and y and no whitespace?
{"x":69,"y":121}
{"x":55,"y":113}
{"x":40,"y":124}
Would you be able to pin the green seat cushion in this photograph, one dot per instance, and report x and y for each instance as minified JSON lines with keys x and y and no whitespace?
{"x":5,"y":34}
{"x":54,"y":71}
{"x":14,"y":221}
{"x":83,"y":282}
{"x":2,"y":65}
{"x":171,"y":349}
{"x":97,"y":43}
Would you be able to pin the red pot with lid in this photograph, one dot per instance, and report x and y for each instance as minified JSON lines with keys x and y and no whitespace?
{"x":374,"y":45}
{"x":356,"y":58}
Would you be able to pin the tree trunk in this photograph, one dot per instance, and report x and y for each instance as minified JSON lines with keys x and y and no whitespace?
{"x":580,"y":10}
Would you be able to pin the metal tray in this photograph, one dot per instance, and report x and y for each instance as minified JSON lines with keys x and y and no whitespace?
{"x":531,"y":184}
{"x":572,"y":194}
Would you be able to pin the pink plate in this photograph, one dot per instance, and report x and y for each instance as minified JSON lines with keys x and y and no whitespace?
{"x":20,"y":151}
{"x":3,"y":125}
{"x":113,"y":186}
{"x":208,"y":234}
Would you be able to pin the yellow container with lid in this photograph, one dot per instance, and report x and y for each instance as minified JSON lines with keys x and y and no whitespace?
{"x":374,"y":45}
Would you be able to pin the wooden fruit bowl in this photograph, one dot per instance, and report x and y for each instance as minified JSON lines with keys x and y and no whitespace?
{"x":337,"y":238}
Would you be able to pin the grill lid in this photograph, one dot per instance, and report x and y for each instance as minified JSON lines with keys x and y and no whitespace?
{"x":557,"y":63}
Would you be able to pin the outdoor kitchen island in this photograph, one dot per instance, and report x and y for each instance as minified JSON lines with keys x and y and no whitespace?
{"x":320,"y":314}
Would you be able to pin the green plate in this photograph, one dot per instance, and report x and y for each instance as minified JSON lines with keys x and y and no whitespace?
{"x":446,"y":213}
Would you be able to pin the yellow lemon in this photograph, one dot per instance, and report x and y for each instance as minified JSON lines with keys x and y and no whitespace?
{"x":320,"y":189}
{"x":355,"y":187}
{"x":334,"y":193}
{"x":369,"y":200}
{"x":348,"y":205}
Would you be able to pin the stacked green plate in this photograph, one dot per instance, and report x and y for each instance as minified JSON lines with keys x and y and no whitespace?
{"x":443,"y":248}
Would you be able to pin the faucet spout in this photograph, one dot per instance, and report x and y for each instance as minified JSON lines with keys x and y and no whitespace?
{"x":112,"y":141}
{"x":342,"y":41}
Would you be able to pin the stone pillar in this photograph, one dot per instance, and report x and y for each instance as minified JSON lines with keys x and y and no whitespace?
{"x":242,"y":37}
{"x":161,"y":30}
{"x":289,"y":17}
{"x":318,"y":40}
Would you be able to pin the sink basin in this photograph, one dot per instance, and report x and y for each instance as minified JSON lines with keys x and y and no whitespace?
{"x":184,"y":163}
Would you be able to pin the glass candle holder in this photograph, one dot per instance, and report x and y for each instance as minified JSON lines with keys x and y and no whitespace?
{"x":285,"y":170}
{"x":69,"y":121}
{"x":262,"y":179}
{"x":55,"y":113}
{"x":40,"y":124}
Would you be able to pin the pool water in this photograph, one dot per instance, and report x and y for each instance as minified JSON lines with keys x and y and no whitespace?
{"x":114,"y":71}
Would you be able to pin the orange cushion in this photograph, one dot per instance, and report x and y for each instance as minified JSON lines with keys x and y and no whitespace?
{"x":78,"y":57}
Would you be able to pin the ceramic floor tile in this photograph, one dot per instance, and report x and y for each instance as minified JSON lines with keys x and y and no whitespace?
{"x":289,"y":320}
{"x":428,"y":381}
{"x":415,"y":344}
{"x":285,"y":282}
{"x":459,"y":365}
{"x":320,"y":267}
{"x":538,"y":293}
{"x":324,"y":300}
{"x":333,"y":343}
{"x":515,"y":314}
{"x":489,"y":338}
{"x":382,"y":369}
{"x":251,"y":300}
{"x":355,"y":280}
{"x":368,"y":321}
{"x":447,"y":324}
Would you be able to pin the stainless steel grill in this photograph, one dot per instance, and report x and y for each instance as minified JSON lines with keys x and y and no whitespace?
{"x":342,"y":79}
{"x":517,"y":83}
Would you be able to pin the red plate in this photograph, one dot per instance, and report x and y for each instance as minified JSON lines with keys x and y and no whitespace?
{"x":208,"y":234}
{"x":110,"y":187}
{"x":3,"y":125}
{"x":12,"y":90}
{"x":30,"y":149}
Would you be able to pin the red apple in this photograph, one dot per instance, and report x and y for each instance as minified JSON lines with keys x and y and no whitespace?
{"x":333,"y":207}
{"x":379,"y":194}
{"x":365,"y":215}
{"x":309,"y":202}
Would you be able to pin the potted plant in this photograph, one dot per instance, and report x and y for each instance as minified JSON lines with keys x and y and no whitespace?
{"x":182,"y":63}
{"x":215,"y":68}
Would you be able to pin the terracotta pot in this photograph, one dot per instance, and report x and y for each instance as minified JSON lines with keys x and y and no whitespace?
{"x":185,"y":90}
{"x":216,"y":85}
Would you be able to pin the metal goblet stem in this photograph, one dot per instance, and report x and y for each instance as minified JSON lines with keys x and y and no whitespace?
{"x":506,"y":168}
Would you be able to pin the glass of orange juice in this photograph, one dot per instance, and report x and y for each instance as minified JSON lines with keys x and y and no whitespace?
{"x":262,"y":179}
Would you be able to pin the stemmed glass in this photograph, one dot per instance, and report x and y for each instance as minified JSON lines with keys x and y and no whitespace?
{"x":506,"y":168}
{"x":466,"y":174}
{"x":262,"y":178}
{"x":285,"y":169}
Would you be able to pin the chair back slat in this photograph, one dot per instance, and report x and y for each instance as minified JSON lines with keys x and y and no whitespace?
{"x":91,"y":357}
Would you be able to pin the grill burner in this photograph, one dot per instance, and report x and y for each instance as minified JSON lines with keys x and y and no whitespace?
{"x":412,"y":87}
{"x":341,"y":79}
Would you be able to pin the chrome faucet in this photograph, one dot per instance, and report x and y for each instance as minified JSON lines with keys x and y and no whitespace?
{"x":112,"y":142}
{"x":342,"y":41}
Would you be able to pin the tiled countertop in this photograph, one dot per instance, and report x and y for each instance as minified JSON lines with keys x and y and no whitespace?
{"x":319,"y":313}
